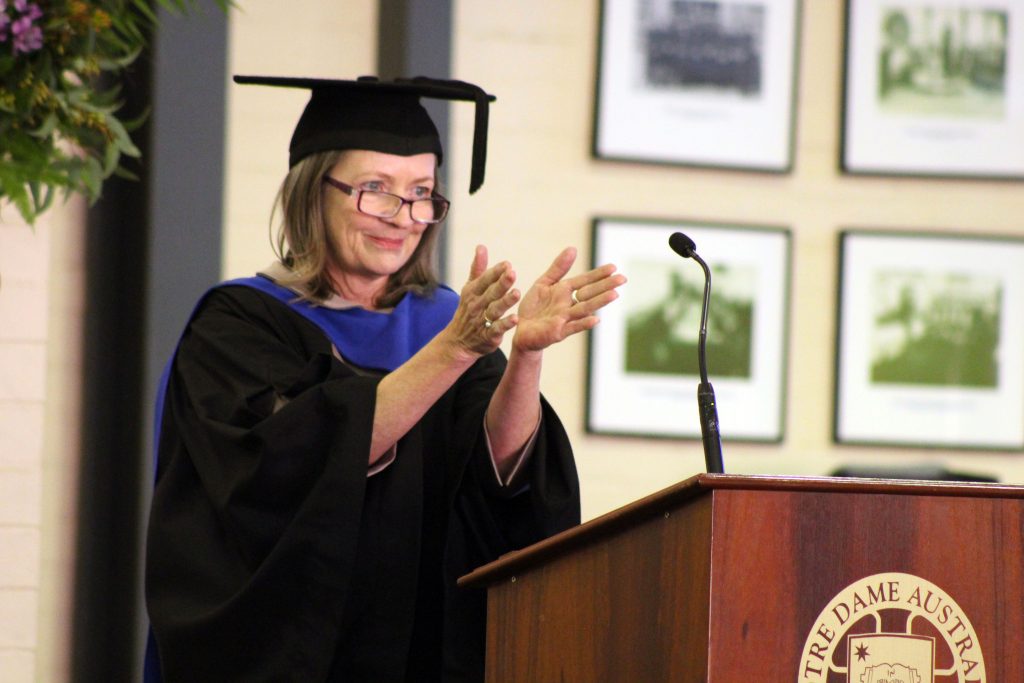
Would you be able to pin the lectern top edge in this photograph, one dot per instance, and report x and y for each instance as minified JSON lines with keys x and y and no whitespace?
{"x":700,"y":484}
{"x":903,"y":487}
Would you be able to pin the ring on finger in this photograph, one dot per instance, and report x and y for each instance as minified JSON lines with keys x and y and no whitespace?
{"x":575,"y":299}
{"x":487,"y":322}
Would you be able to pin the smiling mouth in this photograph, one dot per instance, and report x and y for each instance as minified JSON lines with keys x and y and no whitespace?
{"x":386,"y":243}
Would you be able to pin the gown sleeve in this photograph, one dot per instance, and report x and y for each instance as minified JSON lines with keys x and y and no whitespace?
{"x":488,"y":520}
{"x":261,"y":472}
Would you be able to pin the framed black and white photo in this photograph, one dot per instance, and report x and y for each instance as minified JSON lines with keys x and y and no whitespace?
{"x":934,"y":88}
{"x":930,"y":340}
{"x":697,"y":82}
{"x":643,"y":371}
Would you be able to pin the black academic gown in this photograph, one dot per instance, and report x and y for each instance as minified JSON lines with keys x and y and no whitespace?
{"x":271,"y":556}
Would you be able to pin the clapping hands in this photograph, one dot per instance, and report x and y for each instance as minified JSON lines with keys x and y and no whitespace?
{"x":554,"y":308}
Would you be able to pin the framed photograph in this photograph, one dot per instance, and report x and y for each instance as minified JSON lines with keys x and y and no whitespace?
{"x":697,"y":82}
{"x":930,"y":340}
{"x":643,"y":371}
{"x":934,"y":88}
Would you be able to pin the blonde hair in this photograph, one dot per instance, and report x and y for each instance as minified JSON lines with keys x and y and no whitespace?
{"x":304,"y":242}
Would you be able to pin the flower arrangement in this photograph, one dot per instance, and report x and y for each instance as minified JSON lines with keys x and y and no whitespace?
{"x":58,"y":118}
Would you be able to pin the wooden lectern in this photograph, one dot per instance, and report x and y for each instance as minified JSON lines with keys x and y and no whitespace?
{"x":736,"y":579}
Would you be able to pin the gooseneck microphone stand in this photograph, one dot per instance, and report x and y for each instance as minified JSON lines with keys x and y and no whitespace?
{"x":710,"y":436}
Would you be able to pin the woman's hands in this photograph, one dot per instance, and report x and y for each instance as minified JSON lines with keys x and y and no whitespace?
{"x":547,"y":314}
{"x":555,"y":308}
{"x":479,"y":323}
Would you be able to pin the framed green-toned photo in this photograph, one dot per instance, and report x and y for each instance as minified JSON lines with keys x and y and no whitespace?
{"x":643,"y":369}
{"x":930,"y":340}
{"x":934,"y":88}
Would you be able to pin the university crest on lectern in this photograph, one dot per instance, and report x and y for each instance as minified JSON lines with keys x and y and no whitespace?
{"x":892,"y":628}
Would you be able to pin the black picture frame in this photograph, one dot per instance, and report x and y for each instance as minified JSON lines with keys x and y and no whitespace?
{"x":930,"y":340}
{"x":708,"y":83}
{"x":642,"y":371}
{"x":934,"y":88}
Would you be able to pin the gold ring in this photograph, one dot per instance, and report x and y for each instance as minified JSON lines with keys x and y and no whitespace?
{"x":575,"y":300}
{"x":487,"y":322}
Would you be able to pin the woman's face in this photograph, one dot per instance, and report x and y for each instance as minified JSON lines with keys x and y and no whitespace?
{"x":368,"y":249}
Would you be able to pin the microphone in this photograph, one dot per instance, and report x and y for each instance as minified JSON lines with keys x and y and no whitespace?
{"x":687,"y":248}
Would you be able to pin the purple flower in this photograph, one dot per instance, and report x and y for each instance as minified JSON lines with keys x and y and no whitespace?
{"x":27,"y":9}
{"x":27,"y":37}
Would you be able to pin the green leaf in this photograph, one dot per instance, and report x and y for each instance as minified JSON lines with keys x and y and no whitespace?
{"x":42,"y":196}
{"x":119,"y":62}
{"x":46,"y":128}
{"x":111,"y":157}
{"x":92,"y":177}
{"x":35,"y":164}
{"x":133,"y":124}
{"x":143,"y":7}
{"x":124,"y":142}
{"x":19,"y":197}
{"x":122,"y":172}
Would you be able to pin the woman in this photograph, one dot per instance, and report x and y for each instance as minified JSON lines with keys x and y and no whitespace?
{"x":341,"y":437}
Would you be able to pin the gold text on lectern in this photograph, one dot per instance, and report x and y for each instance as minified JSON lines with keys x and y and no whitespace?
{"x":892,"y":628}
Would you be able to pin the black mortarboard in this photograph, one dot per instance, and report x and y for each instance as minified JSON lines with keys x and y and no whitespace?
{"x":382,"y":116}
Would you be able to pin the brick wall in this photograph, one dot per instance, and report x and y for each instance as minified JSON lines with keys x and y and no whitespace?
{"x":24,"y":268}
{"x":40,"y":322}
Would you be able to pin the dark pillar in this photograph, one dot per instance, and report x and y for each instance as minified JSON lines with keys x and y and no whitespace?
{"x":152,"y":245}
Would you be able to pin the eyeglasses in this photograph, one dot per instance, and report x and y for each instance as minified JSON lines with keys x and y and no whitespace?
{"x":431,"y":209}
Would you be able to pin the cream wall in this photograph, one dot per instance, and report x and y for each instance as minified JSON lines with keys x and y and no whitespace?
{"x":24,"y":268}
{"x":543,"y":188}
{"x":40,"y":327}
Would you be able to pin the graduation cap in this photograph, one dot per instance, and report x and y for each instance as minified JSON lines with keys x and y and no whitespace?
{"x":382,"y":116}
